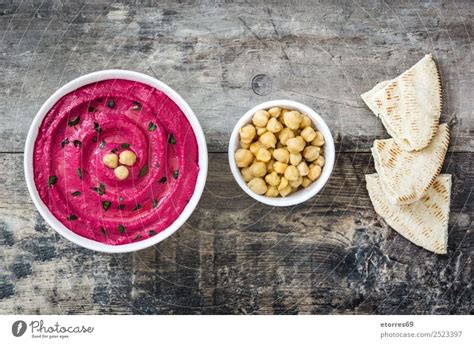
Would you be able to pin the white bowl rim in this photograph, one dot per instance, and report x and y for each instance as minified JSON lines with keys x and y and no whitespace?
{"x":329,"y":154}
{"x":89,"y":79}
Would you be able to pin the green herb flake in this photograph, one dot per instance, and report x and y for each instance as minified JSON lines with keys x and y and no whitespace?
{"x":175,"y":174}
{"x":163,"y":180}
{"x":64,"y":142}
{"x":152,"y":233}
{"x":138,"y":206}
{"x":171,"y":139}
{"x":52,"y":180}
{"x":77,"y":143}
{"x":111,"y":103}
{"x":94,"y":139}
{"x":121,"y":207}
{"x":106,"y":205}
{"x":151,"y":126}
{"x":104,"y":232}
{"x":154,"y":203}
{"x":97,"y":127}
{"x":137,"y":237}
{"x":124,"y":145}
{"x":100,"y":189}
{"x":75,"y":193}
{"x":102,"y":144}
{"x":72,"y":217}
{"x":121,"y":228}
{"x":136,"y":106}
{"x":115,"y":151}
{"x":74,"y":121}
{"x":79,"y":173}
{"x":143,"y":171}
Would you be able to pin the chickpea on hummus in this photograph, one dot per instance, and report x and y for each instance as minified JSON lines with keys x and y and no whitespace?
{"x":116,"y":161}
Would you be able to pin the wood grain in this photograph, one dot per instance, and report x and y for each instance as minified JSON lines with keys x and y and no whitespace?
{"x":330,"y":255}
{"x":324,"y":55}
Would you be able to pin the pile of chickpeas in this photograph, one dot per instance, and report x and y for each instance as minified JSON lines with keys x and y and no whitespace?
{"x":280,"y":152}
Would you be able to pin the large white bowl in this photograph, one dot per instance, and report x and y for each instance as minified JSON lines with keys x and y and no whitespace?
{"x":301,"y":195}
{"x":92,"y":78}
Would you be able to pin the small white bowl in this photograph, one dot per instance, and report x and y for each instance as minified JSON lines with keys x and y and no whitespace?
{"x":299,"y":196}
{"x":92,"y":78}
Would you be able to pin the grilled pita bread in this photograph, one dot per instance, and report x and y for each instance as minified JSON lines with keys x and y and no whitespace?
{"x":406,"y":176}
{"x":409,"y":105}
{"x":424,"y":223}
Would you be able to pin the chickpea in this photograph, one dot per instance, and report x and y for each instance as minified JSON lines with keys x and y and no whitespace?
{"x":295,"y":159}
{"x":303,"y":168}
{"x":268,"y":140}
{"x":305,"y":122}
{"x":291,"y":173}
{"x":318,"y":140}
{"x":275,"y":111}
{"x":246,"y":174}
{"x":285,"y":191}
{"x":258,"y":169}
{"x":263,"y":155}
{"x":272,"y":179}
{"x":271,"y":192}
{"x":247,"y":133}
{"x":292,"y":119}
{"x":282,"y":155}
{"x":243,"y":157}
{"x":244,"y":145}
{"x":110,"y":160}
{"x":311,"y":153}
{"x":270,"y":166}
{"x":255,"y":147}
{"x":295,"y":145}
{"x":258,"y":186}
{"x":260,"y":118}
{"x":285,"y":135}
{"x":283,"y":183}
{"x":308,"y":134}
{"x":274,"y":126}
{"x":296,"y":183}
{"x":320,"y":161}
{"x":281,"y":119}
{"x":314,"y":172}
{"x":280,"y":167}
{"x":128,"y":158}
{"x":121,"y":172}
{"x":306,"y":182}
{"x":261,"y":131}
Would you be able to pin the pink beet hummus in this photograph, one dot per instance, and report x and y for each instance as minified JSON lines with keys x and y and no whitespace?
{"x":109,"y":117}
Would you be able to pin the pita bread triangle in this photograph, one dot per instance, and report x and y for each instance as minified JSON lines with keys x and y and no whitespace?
{"x":407,"y":176}
{"x":409,"y":105}
{"x":424,"y":223}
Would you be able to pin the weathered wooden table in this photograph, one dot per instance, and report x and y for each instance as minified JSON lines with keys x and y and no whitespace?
{"x":332,"y":254}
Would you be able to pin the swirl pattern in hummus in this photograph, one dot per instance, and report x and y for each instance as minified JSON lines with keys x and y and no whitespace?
{"x":111,"y":116}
